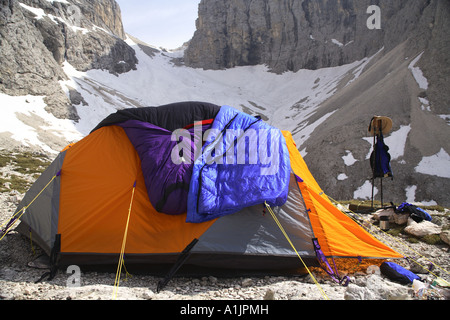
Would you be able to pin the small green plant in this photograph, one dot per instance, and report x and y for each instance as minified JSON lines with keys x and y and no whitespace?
{"x":25,"y":167}
{"x":412,"y":240}
{"x":27,"y":163}
{"x":19,"y":184}
{"x":432,"y":239}
{"x":395,"y":231}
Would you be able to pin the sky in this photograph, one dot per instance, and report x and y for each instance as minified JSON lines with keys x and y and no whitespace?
{"x":161,"y":23}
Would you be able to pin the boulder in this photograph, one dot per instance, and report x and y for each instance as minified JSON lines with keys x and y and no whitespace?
{"x":401,"y":218}
{"x":422,"y":229}
{"x":377,"y":288}
{"x":421,"y":266}
{"x":389,"y":212}
{"x":445,"y":236}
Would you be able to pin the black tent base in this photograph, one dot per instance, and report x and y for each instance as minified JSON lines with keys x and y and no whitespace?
{"x":197,"y":265}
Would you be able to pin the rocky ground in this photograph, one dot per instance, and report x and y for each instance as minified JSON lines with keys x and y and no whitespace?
{"x":20,"y":269}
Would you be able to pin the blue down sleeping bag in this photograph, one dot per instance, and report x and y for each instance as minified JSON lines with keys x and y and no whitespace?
{"x":244,"y":162}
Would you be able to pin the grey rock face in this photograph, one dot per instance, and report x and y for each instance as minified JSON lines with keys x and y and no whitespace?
{"x":38,"y":36}
{"x":291,"y":35}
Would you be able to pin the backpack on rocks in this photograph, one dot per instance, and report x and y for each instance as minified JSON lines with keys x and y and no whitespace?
{"x":416,"y":213}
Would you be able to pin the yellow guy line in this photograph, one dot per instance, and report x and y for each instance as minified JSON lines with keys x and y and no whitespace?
{"x":24,"y":209}
{"x":293,"y":247}
{"x":122,"y":250}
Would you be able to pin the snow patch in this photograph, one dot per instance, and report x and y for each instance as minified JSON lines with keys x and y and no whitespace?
{"x":26,"y":119}
{"x":428,"y":203}
{"x":338,"y":43}
{"x":397,"y":142}
{"x":411,"y":194}
{"x":411,"y":197}
{"x":365,"y":191}
{"x":418,"y":74}
{"x":62,"y":1}
{"x":436,"y":165}
{"x":349,"y":160}
{"x":39,"y":13}
{"x":445,"y":117}
{"x":425,"y":104}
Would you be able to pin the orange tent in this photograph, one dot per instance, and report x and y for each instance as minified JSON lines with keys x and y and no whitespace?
{"x":94,"y":196}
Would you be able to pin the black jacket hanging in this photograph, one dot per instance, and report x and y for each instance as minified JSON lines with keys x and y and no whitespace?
{"x":380,"y":159}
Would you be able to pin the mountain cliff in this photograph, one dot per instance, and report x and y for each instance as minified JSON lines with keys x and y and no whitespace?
{"x":290,"y":35}
{"x":38,"y":36}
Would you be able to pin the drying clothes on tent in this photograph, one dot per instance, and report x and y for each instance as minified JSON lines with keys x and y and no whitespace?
{"x":244,"y":162}
{"x":219,"y":184}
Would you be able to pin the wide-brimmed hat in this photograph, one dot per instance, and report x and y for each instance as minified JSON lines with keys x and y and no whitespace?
{"x":380,"y":124}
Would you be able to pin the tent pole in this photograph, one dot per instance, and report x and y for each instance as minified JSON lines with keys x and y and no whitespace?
{"x":180,"y":261}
